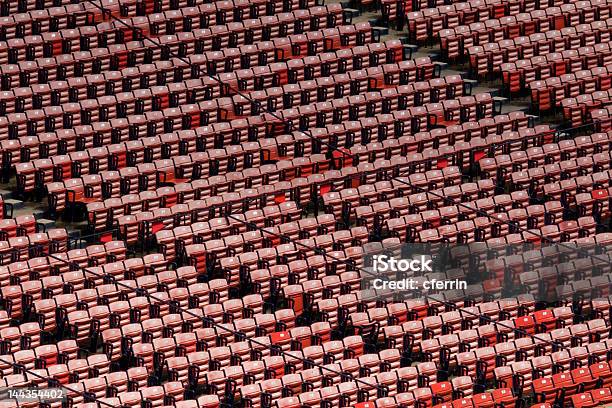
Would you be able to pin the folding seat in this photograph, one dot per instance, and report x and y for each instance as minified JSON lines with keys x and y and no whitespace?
{"x":479,"y":32}
{"x":113,"y":338}
{"x":450,"y":41}
{"x":45,"y":310}
{"x":599,"y":52}
{"x":598,"y":329}
{"x":64,"y":350}
{"x":601,"y":371}
{"x":401,"y":73}
{"x":389,"y":10}
{"x":434,"y":21}
{"x":583,"y":376}
{"x":509,"y":50}
{"x":204,"y":401}
{"x":593,"y":33}
{"x":11,"y":339}
{"x":595,"y":79}
{"x":580,"y":333}
{"x":573,"y":88}
{"x":418,"y":25}
{"x":545,"y":67}
{"x":15,"y":296}
{"x":599,"y":396}
{"x":503,"y":396}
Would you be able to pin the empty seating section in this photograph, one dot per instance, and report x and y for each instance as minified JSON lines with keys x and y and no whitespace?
{"x":484,"y":59}
{"x":231,"y":163}
{"x":549,"y":94}
{"x":524,"y":41}
{"x":407,"y":11}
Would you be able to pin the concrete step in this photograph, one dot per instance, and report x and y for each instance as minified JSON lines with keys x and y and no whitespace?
{"x":351,"y":12}
{"x":534,"y":120}
{"x":496,"y":93}
{"x":73,"y":233}
{"x":439,"y":68}
{"x":469,"y":85}
{"x":381,"y":30}
{"x":409,"y":49}
{"x":507,"y":108}
{"x":14,"y":202}
{"x":38,"y":214}
{"x":498,"y":104}
{"x":45,"y":224}
{"x":11,"y":204}
{"x":6,"y":194}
